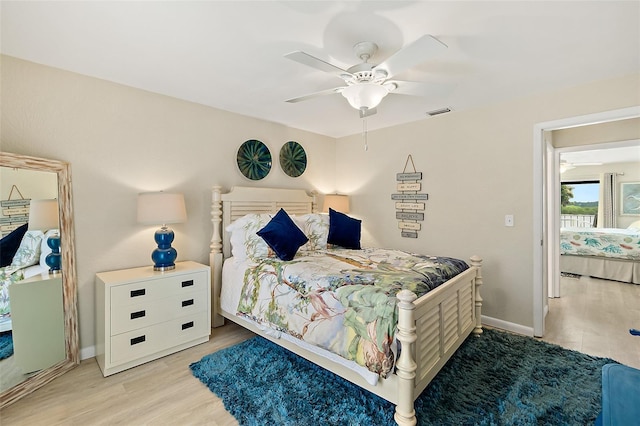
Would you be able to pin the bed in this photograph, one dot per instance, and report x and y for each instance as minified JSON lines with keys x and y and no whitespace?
{"x":429,"y":329}
{"x":607,"y":253}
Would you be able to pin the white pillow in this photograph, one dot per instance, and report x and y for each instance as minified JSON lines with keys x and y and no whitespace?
{"x":635,"y":226}
{"x":29,"y":251}
{"x":245,"y":243}
{"x":316,"y":227}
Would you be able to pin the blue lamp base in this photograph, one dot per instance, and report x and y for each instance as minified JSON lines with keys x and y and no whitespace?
{"x":164,"y":256}
{"x":53,"y":259}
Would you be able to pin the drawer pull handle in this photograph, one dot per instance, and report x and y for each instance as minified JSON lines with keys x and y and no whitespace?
{"x":137,"y":340}
{"x":187,"y":302}
{"x":188,"y":283}
{"x":187,"y":325}
{"x":136,"y":293}
{"x":138,"y":314}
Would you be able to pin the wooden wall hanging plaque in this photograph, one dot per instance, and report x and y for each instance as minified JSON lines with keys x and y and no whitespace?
{"x":15,"y":213}
{"x":410,"y":203}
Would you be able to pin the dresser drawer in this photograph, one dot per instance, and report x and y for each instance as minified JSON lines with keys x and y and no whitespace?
{"x":146,"y":341}
{"x":154,"y":289}
{"x":140,"y":315}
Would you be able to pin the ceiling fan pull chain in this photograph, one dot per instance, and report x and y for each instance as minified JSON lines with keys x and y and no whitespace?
{"x":364,"y":133}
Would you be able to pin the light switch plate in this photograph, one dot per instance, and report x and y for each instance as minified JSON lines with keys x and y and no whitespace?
{"x":508,"y":220}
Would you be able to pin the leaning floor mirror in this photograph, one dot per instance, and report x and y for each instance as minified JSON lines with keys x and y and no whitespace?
{"x":38,"y":307}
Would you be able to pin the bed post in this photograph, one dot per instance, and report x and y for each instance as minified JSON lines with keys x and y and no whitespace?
{"x":406,"y":365}
{"x":215,"y":256}
{"x":476,"y":261}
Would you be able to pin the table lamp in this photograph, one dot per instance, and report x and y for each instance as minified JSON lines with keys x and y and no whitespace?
{"x":337,"y":202}
{"x":43,"y":216}
{"x":162,"y":208}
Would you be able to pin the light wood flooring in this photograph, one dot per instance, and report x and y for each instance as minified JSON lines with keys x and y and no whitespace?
{"x":592,"y":316}
{"x":161,"y":392}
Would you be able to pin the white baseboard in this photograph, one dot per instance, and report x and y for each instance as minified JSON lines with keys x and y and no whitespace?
{"x":508,"y":326}
{"x":86,"y":353}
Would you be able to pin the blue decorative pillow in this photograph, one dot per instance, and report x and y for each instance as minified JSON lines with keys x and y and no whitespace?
{"x":283,"y":236}
{"x":344,"y":231}
{"x":9,"y":245}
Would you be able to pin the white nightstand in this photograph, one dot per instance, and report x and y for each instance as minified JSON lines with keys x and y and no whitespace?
{"x":142,"y":314}
{"x":38,"y":322}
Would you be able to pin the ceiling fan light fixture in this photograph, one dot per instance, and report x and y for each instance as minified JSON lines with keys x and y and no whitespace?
{"x":365,"y":95}
{"x":564,"y":167}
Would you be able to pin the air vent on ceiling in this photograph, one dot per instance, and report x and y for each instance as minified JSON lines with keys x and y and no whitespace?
{"x":438,"y":111}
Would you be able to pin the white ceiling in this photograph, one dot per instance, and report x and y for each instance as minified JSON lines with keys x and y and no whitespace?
{"x":626,"y":154}
{"x":229,"y":54}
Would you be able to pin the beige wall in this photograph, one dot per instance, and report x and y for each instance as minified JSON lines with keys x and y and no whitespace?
{"x":121,"y":141}
{"x":33,"y":185}
{"x":477,"y":167}
{"x":621,"y":130}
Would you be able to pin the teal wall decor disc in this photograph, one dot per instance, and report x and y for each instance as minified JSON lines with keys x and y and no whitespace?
{"x":293,"y":159}
{"x":254,"y":159}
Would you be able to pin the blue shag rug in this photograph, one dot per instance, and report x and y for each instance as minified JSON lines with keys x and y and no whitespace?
{"x":6,"y":345}
{"x":497,"y":378}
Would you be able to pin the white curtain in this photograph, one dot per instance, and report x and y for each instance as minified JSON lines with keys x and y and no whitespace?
{"x":607,"y":206}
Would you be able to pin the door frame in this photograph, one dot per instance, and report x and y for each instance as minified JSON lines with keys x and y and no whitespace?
{"x":546,"y":178}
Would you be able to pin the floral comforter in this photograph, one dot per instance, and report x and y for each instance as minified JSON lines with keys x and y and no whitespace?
{"x":341,"y":300}
{"x":603,"y":242}
{"x":8,"y":276}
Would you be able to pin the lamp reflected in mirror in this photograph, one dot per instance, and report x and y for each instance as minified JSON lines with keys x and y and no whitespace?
{"x":44,"y":216}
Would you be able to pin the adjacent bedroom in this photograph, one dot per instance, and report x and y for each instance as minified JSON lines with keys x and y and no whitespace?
{"x":599,"y":244}
{"x":600,"y":213}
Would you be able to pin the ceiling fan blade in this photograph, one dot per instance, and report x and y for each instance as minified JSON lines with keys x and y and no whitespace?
{"x":316,"y":94}
{"x":319,"y":64}
{"x":585,"y":164}
{"x":414,"y":88}
{"x":366,"y":112}
{"x":411,"y":55}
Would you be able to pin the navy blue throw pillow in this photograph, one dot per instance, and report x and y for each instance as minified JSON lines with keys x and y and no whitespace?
{"x":344,"y":231}
{"x":10,"y":243}
{"x":283,"y":236}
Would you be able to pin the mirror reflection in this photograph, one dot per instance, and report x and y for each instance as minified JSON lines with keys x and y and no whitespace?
{"x":32,"y":329}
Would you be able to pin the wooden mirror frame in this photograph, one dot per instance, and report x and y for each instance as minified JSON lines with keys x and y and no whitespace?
{"x":69,"y":283}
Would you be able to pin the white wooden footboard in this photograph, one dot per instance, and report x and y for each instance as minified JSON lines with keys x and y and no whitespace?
{"x":430,"y":329}
{"x":433,"y":328}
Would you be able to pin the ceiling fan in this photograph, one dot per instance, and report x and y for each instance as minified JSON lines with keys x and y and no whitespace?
{"x":565,"y":165}
{"x":366,"y":84}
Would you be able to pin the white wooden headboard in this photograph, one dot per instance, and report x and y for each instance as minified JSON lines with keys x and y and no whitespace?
{"x":239,"y":201}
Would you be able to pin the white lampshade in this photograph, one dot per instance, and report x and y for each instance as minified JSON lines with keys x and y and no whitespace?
{"x":365,"y":95}
{"x":43,"y":215}
{"x":161,"y":208}
{"x":337,"y":202}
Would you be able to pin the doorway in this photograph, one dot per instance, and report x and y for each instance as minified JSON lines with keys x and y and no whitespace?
{"x":546,"y":214}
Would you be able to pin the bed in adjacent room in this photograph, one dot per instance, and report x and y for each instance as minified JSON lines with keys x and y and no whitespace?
{"x":386,"y":320}
{"x":607,"y":253}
